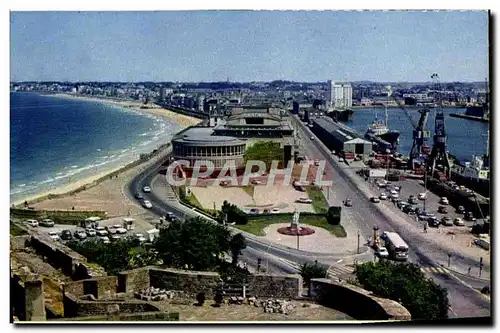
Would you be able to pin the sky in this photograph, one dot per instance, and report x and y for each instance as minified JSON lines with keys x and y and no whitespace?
{"x":244,"y":46}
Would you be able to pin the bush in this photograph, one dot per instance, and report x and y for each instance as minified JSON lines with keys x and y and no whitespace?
{"x":234,"y":214}
{"x":406,"y":284}
{"x":200,"y":298}
{"x":312,"y":271}
{"x":333,"y":215}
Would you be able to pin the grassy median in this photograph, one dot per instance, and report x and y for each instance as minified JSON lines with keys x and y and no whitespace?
{"x":256,"y":225}
{"x":319,"y":202}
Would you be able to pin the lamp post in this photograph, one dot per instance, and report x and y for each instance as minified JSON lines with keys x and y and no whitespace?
{"x":358,"y":241}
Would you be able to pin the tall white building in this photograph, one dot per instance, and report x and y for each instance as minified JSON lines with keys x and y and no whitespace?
{"x":338,"y":96}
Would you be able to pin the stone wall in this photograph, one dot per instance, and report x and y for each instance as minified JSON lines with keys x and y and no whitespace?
{"x":289,"y":286}
{"x":356,"y":302}
{"x":74,"y":307}
{"x":191,"y":282}
{"x":144,"y":316}
{"x":70,"y":262}
{"x":99,"y":287}
{"x":27,"y":301}
{"x":134,"y":280}
{"x":19,"y":242}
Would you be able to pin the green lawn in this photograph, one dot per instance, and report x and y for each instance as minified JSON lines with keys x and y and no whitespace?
{"x":319,"y":202}
{"x":257,"y":224}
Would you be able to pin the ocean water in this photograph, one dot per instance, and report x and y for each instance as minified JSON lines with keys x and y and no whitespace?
{"x":55,"y":141}
{"x":464,"y":137}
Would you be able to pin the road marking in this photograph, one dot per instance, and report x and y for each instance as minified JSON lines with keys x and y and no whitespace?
{"x":340,"y":260}
{"x":451,"y":309}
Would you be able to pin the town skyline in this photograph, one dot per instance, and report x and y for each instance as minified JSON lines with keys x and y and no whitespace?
{"x":207,"y":46}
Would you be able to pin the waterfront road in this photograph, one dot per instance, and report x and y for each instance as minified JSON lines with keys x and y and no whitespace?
{"x":465,"y":301}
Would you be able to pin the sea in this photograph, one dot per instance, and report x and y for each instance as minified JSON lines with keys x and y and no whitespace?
{"x":464,"y":137}
{"x":55,"y":141}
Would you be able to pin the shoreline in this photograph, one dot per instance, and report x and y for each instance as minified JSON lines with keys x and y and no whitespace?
{"x":100,"y":176}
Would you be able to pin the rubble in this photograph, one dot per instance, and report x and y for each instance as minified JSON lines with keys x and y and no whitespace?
{"x":154,"y":294}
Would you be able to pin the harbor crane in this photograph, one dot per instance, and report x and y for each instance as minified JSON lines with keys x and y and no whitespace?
{"x":419,"y":133}
{"x":439,"y":153}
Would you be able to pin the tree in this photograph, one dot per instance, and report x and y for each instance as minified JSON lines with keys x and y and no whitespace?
{"x":405,"y":283}
{"x":233,"y":213}
{"x":312,"y":271}
{"x":236,"y":245}
{"x":196,"y":244}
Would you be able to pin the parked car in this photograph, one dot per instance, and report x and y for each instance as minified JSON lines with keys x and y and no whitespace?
{"x":444,"y":201}
{"x":375,"y":199}
{"x":401,"y":204}
{"x":116,"y":226}
{"x":115,"y":238}
{"x":110,"y":229}
{"x":146,"y":189}
{"x":90,"y":232}
{"x":316,"y":162}
{"x":101,"y":232}
{"x":434,"y":222}
{"x":138,"y":196}
{"x":382,"y":183}
{"x":304,"y":200}
{"x":140,"y":238}
{"x":442,"y":210}
{"x":32,"y":223}
{"x":447,"y":221}
{"x":382,"y":196}
{"x":409,"y":209}
{"x":382,"y":252}
{"x":469,"y":216}
{"x":121,"y":231}
{"x":266,"y":211}
{"x":147,"y":204}
{"x":104,"y":239}
{"x":312,"y":137}
{"x":170,"y":216}
{"x":53,"y":235}
{"x":348,"y":202}
{"x":254,"y":211}
{"x":394,"y":194}
{"x":255,"y":182}
{"x":66,"y":235}
{"x":422,"y":196}
{"x":80,"y":234}
{"x":458,"y":222}
{"x":47,"y":223}
{"x":275,"y":210}
{"x":461,"y":210}
{"x":412,"y":200}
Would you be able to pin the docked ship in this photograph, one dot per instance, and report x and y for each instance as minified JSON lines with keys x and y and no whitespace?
{"x":379,"y":131}
{"x":341,"y":115}
{"x":474,"y":174}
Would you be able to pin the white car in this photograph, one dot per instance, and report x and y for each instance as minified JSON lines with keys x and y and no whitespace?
{"x":316,"y":162}
{"x":256,"y":182}
{"x":422,"y":196}
{"x":444,"y":201}
{"x":458,"y":222}
{"x":140,"y":238}
{"x":312,"y":137}
{"x":147,"y":204}
{"x":32,"y":223}
{"x":115,"y":238}
{"x":90,"y":232}
{"x":275,"y":210}
{"x":121,"y":231}
{"x":394,"y":194}
{"x":101,"y":232}
{"x":53,"y":235}
{"x":382,"y":252}
{"x":104,"y":239}
{"x":117,"y":226}
{"x":146,"y":189}
{"x":383,"y":196}
{"x":382,"y":183}
{"x":304,"y":200}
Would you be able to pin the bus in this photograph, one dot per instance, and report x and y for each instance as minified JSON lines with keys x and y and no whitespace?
{"x":396,"y":246}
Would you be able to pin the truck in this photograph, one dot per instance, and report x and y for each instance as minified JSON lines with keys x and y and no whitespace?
{"x":396,"y":246}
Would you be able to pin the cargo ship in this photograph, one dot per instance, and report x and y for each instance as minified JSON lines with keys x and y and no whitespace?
{"x":379,"y":131}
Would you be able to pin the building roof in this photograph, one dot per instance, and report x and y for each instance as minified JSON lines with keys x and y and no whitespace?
{"x":204,"y":136}
{"x":338,"y":131}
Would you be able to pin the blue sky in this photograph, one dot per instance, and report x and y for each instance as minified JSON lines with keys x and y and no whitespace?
{"x":249,"y":46}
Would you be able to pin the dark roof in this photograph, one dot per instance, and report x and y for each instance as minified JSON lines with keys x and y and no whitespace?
{"x":338,"y":131}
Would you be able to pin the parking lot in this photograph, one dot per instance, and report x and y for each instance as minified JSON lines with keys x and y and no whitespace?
{"x":138,"y":226}
{"x":432,"y":202}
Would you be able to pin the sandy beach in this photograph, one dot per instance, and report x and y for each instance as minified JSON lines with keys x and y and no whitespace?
{"x":152,"y":109}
